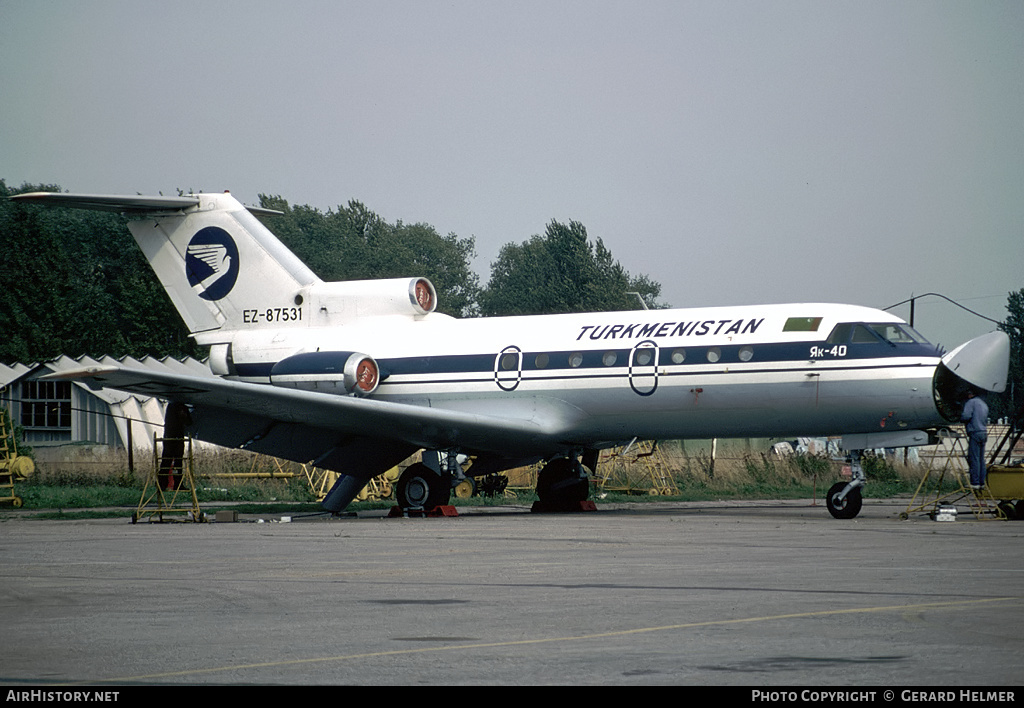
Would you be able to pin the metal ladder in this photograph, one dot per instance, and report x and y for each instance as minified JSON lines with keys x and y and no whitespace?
{"x":180,"y":497}
{"x":929,"y":497}
{"x":8,"y":461}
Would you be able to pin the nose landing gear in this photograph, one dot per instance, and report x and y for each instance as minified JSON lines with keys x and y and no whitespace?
{"x":844,"y":499}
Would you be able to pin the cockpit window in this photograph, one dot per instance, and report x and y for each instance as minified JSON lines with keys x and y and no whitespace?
{"x":898,"y":334}
{"x":840,"y":334}
{"x":870,"y":333}
{"x":862,"y":335}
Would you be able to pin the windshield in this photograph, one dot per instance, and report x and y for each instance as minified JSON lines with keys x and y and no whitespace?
{"x":892,"y":332}
{"x":898,"y":333}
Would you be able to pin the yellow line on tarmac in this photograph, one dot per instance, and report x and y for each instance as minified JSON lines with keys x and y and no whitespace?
{"x":549,"y":640}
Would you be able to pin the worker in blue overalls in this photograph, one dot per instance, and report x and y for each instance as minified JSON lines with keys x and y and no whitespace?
{"x":975,"y":416}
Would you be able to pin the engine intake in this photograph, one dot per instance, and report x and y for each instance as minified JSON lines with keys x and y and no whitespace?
{"x":330,"y":372}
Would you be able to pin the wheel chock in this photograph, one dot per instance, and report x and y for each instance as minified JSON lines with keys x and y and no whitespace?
{"x":437,"y":511}
{"x":540,"y":507}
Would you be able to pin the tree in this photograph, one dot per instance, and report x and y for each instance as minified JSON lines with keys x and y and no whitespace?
{"x":75,"y":283}
{"x":1014,"y":328}
{"x":353,"y":243}
{"x":562,"y":271}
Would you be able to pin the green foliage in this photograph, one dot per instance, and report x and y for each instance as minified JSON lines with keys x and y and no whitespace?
{"x":1013,"y":400}
{"x":353,"y":243}
{"x":878,"y":469}
{"x":75,"y":283}
{"x":810,"y":466}
{"x":562,"y":271}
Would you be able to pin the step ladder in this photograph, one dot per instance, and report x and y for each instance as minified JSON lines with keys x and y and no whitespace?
{"x":11,"y":465}
{"x":950,"y":484}
{"x":170,"y":488}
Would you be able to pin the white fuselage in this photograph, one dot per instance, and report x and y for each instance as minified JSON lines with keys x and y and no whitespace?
{"x":606,"y":377}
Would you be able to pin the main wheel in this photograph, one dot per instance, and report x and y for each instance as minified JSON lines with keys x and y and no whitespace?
{"x":845,"y":508}
{"x":562,"y":482}
{"x":420,"y":487}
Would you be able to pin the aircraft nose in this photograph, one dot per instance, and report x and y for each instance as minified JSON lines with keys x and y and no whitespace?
{"x":983,"y":361}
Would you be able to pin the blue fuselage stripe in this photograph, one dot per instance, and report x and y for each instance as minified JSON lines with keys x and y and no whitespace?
{"x":588,"y":363}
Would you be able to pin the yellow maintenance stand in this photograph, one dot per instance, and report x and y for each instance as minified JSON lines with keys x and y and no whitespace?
{"x":943,"y":487}
{"x":12,"y":465}
{"x":638,"y":468}
{"x":170,"y":486}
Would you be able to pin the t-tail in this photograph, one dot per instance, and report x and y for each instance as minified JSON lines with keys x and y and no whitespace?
{"x":228,"y":275}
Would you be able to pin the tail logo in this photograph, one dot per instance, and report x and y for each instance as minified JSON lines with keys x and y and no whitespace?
{"x":211,"y":263}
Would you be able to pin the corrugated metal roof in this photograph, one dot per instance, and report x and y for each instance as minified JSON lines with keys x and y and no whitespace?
{"x":10,"y":373}
{"x":145,"y":412}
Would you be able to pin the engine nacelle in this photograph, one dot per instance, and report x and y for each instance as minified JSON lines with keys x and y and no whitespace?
{"x":328,"y":372}
{"x":345,"y":301}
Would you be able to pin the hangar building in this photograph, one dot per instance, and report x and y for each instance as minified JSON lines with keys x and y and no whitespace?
{"x":56,"y":415}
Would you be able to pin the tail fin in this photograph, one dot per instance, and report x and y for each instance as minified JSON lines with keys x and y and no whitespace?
{"x":221,"y":267}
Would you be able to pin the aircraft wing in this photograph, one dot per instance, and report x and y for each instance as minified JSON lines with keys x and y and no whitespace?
{"x":360,"y":436}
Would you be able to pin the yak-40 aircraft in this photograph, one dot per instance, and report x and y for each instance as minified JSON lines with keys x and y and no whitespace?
{"x":357,"y":376}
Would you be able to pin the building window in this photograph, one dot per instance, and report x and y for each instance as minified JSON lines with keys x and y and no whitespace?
{"x":46,"y":404}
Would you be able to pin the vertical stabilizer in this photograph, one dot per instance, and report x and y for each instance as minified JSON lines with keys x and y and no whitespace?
{"x":223,"y":268}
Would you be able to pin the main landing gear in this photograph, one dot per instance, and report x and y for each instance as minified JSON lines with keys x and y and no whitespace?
{"x":562,"y":485}
{"x":844,"y":498}
{"x":423,"y":488}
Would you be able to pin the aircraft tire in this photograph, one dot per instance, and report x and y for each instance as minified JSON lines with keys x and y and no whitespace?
{"x":560,"y":482}
{"x":421,"y":487}
{"x":465,"y":489}
{"x":846,"y":508}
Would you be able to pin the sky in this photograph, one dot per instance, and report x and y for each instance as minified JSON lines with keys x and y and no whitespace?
{"x":735,"y":152}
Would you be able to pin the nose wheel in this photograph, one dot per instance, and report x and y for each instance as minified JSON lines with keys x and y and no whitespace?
{"x":842,"y":501}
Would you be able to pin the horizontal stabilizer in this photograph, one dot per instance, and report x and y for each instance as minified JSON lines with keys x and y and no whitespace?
{"x":108,"y":202}
{"x":118,"y":203}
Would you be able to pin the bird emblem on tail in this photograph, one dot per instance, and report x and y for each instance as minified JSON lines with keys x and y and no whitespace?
{"x":211,"y":263}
